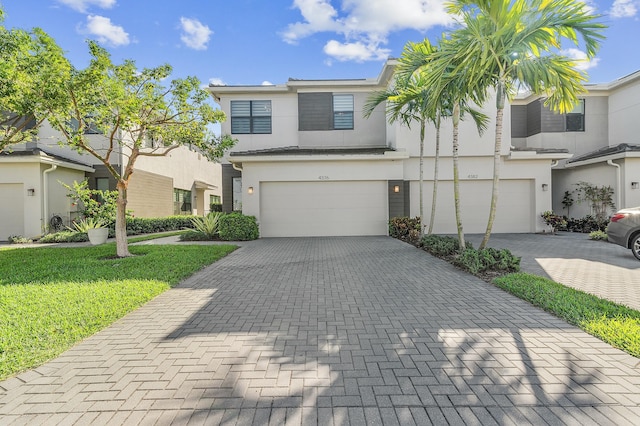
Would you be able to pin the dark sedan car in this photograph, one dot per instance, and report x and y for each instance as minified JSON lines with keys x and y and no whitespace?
{"x":624,"y":229}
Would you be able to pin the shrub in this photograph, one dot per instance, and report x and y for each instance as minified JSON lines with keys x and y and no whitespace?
{"x":440,"y":246}
{"x":65,"y":237}
{"x":487,"y":260}
{"x":553,"y":220}
{"x":207,"y":225}
{"x":93,"y":203}
{"x":19,"y":239}
{"x":598,"y":236}
{"x":405,"y":228}
{"x":139,"y":225}
{"x":238,"y":227}
{"x":586,"y":224}
{"x":192,"y":235}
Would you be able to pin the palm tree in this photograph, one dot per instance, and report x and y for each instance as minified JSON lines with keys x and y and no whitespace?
{"x":451,"y":94}
{"x":408,"y":100}
{"x":506,"y":43}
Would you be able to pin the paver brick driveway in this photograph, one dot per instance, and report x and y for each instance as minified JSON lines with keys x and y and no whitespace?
{"x":332,"y":331}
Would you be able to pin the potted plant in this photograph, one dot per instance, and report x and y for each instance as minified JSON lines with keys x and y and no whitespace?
{"x":95,"y":230}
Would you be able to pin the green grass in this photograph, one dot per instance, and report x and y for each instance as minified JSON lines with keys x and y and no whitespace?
{"x":611,"y":322}
{"x":51,"y":298}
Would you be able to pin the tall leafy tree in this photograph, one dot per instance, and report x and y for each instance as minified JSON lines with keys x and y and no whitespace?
{"x":138,"y":116}
{"x":505,"y":43}
{"x":32,"y":70}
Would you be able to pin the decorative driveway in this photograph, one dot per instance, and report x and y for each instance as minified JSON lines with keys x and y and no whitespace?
{"x":332,"y":331}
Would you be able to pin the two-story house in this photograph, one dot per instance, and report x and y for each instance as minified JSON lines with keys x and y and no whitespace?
{"x":602,"y":133}
{"x":308,"y":164}
{"x":33,"y":197}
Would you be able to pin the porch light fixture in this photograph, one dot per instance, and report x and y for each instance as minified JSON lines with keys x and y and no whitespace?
{"x":396,"y":188}
{"x":250,"y":190}
{"x":635,"y":185}
{"x":31,"y":192}
{"x":545,"y":187}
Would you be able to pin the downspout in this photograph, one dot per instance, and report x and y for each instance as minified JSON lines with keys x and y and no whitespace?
{"x":45,"y":195}
{"x":619,"y":186}
{"x":236,"y":167}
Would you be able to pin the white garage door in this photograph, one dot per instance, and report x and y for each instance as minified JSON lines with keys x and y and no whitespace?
{"x":305,"y":209}
{"x":11,"y":210}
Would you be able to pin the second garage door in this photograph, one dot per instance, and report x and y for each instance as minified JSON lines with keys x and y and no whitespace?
{"x":336,"y":208}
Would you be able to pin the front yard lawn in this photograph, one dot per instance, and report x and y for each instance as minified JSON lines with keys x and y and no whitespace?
{"x":51,"y":298}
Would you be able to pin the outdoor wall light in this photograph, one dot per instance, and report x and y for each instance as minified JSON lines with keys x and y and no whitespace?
{"x":250,"y":190}
{"x":396,"y":188}
{"x":31,"y":192}
{"x":545,"y":187}
{"x":635,"y":185}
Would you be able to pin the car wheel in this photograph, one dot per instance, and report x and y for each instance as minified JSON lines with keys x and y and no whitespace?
{"x":635,"y":246}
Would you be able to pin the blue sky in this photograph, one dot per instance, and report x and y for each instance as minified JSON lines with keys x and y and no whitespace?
{"x":267,"y":41}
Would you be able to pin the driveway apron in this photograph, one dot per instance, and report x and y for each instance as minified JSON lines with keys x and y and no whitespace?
{"x":365,"y":330}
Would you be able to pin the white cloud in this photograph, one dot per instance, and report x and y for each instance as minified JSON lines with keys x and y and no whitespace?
{"x":105,"y":31}
{"x":267,"y":83}
{"x":194,"y":34}
{"x":357,"y":51}
{"x":580,"y":57}
{"x":83,"y":5}
{"x":217,"y":82}
{"x":364,"y":24}
{"x":623,"y":9}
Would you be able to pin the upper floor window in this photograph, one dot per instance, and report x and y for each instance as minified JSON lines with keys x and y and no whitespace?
{"x":343,"y":112}
{"x":325,"y":111}
{"x":251,"y":117}
{"x":575,"y":118}
{"x":89,"y":127}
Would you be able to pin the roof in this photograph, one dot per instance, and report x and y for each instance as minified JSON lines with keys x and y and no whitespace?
{"x":606,"y":151}
{"x":39,"y":152}
{"x":293,"y":150}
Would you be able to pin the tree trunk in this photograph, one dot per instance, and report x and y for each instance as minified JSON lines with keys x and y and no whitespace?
{"x":435,"y":178}
{"x":496,"y":165}
{"x":422,"y":224}
{"x":122,"y":248}
{"x":456,"y":178}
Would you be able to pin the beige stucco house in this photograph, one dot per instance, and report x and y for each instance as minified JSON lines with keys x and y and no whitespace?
{"x":183,"y":182}
{"x":308,"y":164}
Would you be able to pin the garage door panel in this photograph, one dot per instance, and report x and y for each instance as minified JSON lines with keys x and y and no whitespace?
{"x":323,"y":208}
{"x":11,"y":210}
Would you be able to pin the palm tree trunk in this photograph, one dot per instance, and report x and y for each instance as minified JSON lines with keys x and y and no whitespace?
{"x":122,"y":248}
{"x":496,"y":165}
{"x":422,"y":224}
{"x":436,"y":163}
{"x":456,"y":178}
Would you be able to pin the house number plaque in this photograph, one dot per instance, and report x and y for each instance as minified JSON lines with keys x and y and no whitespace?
{"x":323,"y":177}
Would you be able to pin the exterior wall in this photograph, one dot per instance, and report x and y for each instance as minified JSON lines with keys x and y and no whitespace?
{"x":284,"y":122}
{"x":600,"y":174}
{"x":184,"y":167}
{"x":624,"y":110}
{"x":150,"y":195}
{"x":29,"y":175}
{"x":630,"y":173}
{"x":366,"y":132}
{"x":228,"y":173}
{"x":476,"y":175}
{"x":399,"y":202}
{"x":551,"y":134}
{"x":470,"y":142}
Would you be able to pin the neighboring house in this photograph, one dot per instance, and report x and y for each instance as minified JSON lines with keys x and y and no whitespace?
{"x":308,"y":164}
{"x":602,"y":133}
{"x":184,"y":182}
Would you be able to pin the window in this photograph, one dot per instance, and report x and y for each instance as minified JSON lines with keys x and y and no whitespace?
{"x":251,"y":117}
{"x":102,"y":184}
{"x":575,"y":118}
{"x":215,"y":203}
{"x":89,"y":129}
{"x":325,"y":111}
{"x":343,"y":112}
{"x":181,"y":202}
